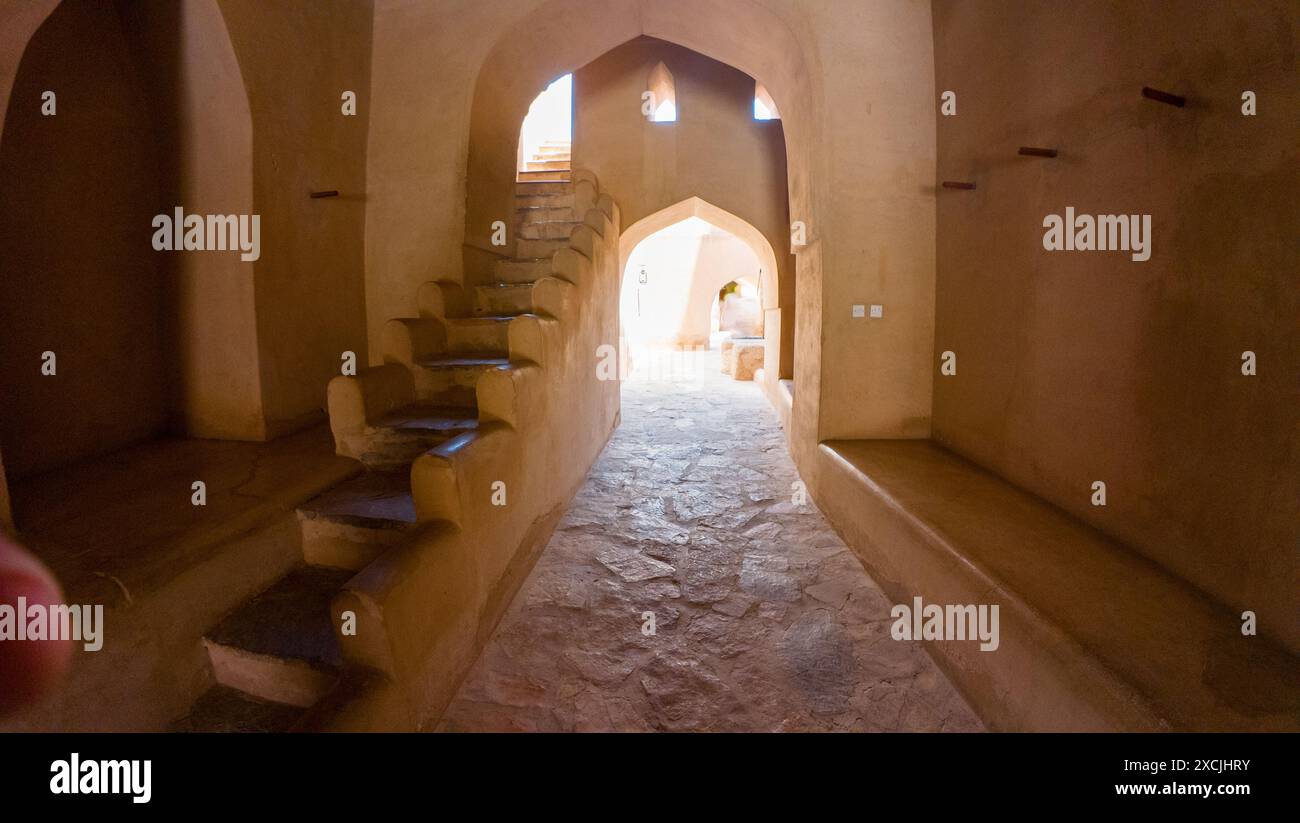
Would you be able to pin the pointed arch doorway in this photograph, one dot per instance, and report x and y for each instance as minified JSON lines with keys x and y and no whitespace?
{"x":725,"y":248}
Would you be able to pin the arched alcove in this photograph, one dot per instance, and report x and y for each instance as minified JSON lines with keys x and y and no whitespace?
{"x":205,"y":131}
{"x":151,"y":114}
{"x":77,"y":276}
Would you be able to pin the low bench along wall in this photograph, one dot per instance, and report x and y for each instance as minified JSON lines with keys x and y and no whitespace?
{"x":1093,"y":636}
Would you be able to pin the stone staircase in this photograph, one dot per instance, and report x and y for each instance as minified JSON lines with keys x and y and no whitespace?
{"x":551,"y":163}
{"x":279,"y":654}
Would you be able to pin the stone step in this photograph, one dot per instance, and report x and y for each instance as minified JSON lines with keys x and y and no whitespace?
{"x":412,"y":430}
{"x":474,"y":365}
{"x":522,"y":271}
{"x":545,"y":176}
{"x":433,"y":421}
{"x":392,"y":442}
{"x":559,"y":200}
{"x":545,"y":214}
{"x":451,"y":378}
{"x":543,"y":188}
{"x":466,"y":404}
{"x":558,"y":230}
{"x":529,"y":249}
{"x":281,"y":646}
{"x":350,"y":525}
{"x":547,"y":165}
{"x":504,"y":298}
{"x":487,"y":335}
{"x":223,"y":709}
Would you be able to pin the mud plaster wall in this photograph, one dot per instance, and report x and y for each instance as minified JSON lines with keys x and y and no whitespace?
{"x":297,"y":59}
{"x":78,"y":276}
{"x":715,"y":150}
{"x":1082,"y":366}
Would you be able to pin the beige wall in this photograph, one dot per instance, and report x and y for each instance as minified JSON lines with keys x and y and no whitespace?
{"x":77,"y":274}
{"x":1082,"y":366}
{"x":205,"y":137}
{"x":715,"y":150}
{"x":297,"y":59}
{"x":878,"y":229}
{"x":423,"y":81}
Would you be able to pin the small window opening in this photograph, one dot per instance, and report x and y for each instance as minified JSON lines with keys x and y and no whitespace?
{"x":764,"y":105}
{"x":662,"y":97}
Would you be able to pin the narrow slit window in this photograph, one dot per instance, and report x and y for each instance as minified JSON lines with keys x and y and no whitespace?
{"x":662,"y":95}
{"x":764,"y":105}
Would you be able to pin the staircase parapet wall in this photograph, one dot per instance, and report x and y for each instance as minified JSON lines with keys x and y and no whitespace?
{"x":355,"y":402}
{"x":426,"y":606}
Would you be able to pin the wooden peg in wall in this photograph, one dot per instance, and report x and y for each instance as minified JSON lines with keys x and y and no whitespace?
{"x":1163,"y":97}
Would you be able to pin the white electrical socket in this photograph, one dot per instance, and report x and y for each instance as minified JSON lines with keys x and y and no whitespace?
{"x":859,"y":310}
{"x":877,"y":310}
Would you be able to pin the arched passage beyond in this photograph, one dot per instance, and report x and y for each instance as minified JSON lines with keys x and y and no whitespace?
{"x":868,"y":126}
{"x":769,"y":284}
{"x":672,"y":283}
{"x":714,"y":216}
{"x":699,"y":42}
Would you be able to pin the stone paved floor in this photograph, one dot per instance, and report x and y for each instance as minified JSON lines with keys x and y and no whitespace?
{"x":764,"y":620}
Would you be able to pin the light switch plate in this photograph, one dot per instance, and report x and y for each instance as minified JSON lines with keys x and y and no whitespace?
{"x":859,"y":310}
{"x":877,"y":310}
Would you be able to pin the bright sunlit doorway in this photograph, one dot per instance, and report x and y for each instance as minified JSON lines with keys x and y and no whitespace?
{"x":546,"y":138}
{"x":690,"y":290}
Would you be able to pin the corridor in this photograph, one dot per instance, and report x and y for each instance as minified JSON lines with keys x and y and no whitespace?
{"x":762,"y":619}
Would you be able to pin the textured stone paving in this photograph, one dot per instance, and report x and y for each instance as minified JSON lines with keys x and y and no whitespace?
{"x":764,"y":619}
